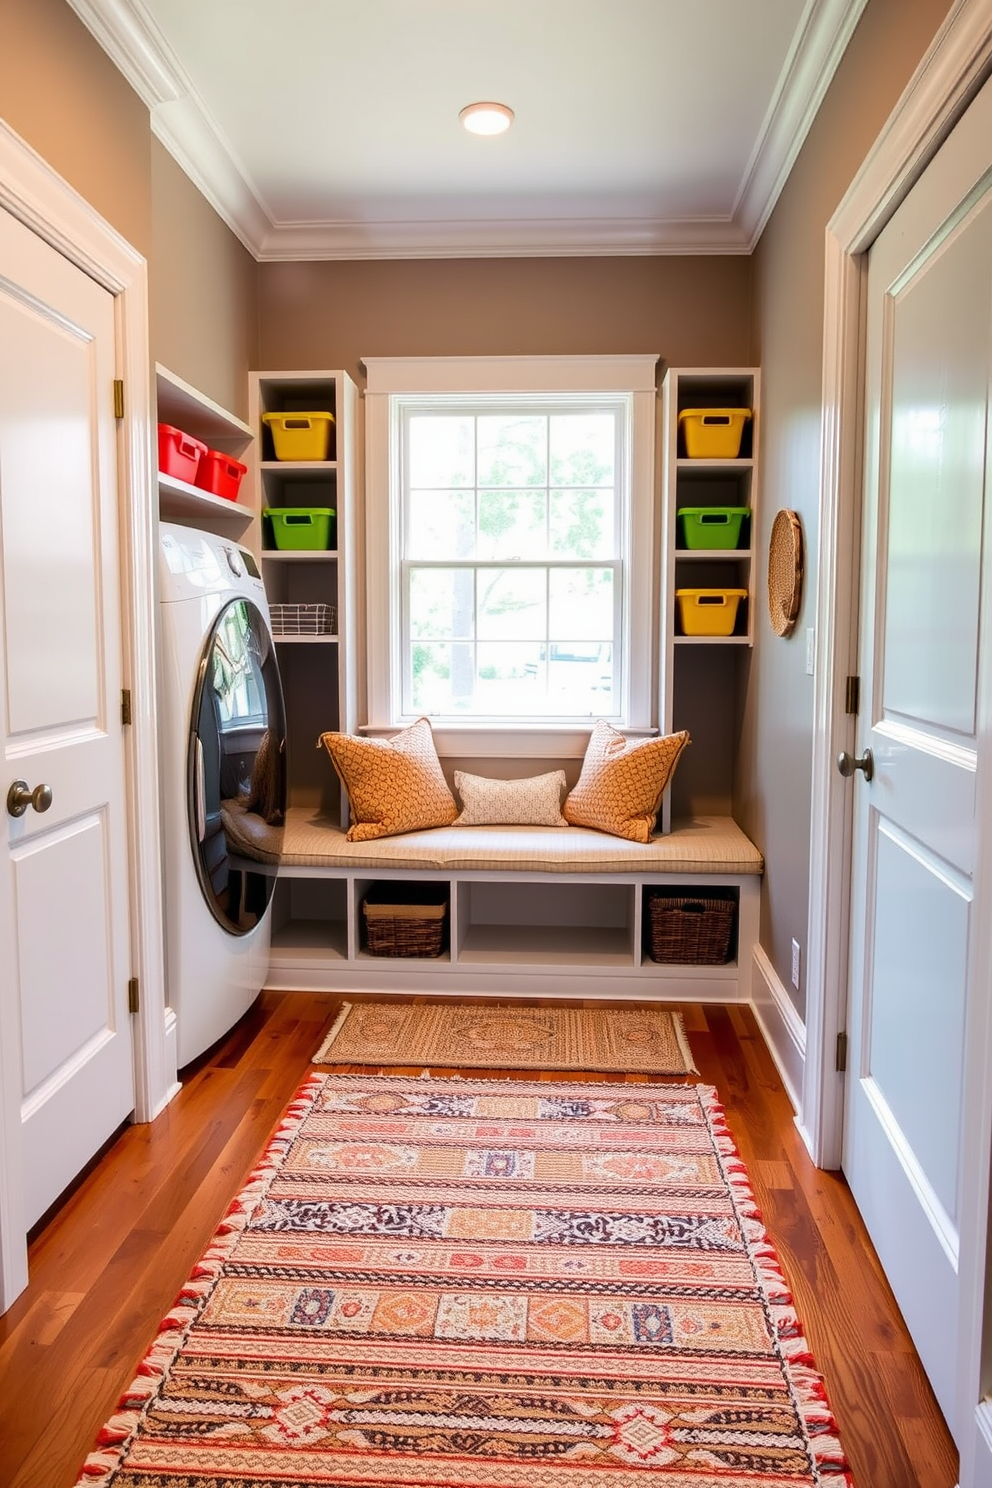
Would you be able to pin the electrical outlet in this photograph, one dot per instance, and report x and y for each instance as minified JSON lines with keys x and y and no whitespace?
{"x":810,"y":650}
{"x":795,"y":964}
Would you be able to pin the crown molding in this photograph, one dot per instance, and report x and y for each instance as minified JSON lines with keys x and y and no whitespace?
{"x":185,"y":127}
{"x":198,"y":148}
{"x":499,"y":238}
{"x":136,"y":47}
{"x":820,"y":43}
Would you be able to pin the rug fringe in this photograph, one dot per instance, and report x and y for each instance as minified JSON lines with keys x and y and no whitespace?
{"x":807,"y":1384}
{"x":112,"y":1443}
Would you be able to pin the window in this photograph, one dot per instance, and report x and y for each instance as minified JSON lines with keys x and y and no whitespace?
{"x":512,"y":528}
{"x":507,"y":563}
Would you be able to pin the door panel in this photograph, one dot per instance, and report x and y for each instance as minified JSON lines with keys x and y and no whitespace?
{"x":920,"y":936}
{"x":60,"y":887}
{"x":49,"y":543}
{"x":937,"y":364}
{"x":915,"y":844}
{"x":64,"y":872}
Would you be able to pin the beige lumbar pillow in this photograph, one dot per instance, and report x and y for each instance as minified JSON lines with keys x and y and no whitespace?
{"x":622,"y":782}
{"x":535,"y":802}
{"x":394,"y":785}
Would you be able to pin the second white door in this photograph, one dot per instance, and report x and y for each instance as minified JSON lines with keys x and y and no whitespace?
{"x":924,"y":595}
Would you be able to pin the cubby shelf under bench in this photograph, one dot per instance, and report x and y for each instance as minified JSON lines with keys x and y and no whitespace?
{"x":532,"y":911}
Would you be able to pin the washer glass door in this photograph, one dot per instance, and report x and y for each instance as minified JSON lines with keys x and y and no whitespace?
{"x":237,"y":764}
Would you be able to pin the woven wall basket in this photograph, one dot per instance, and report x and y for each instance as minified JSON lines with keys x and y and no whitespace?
{"x":785,"y":572}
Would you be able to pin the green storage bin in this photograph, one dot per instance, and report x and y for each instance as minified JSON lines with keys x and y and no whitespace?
{"x":299,"y":528}
{"x":711,"y":526}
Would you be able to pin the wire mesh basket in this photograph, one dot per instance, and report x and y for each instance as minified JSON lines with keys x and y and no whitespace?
{"x":302,"y":619}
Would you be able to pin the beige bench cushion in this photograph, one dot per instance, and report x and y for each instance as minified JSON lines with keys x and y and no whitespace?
{"x":701,"y":844}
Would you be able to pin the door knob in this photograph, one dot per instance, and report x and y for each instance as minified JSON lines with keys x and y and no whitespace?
{"x":847,"y":764}
{"x":19,"y":798}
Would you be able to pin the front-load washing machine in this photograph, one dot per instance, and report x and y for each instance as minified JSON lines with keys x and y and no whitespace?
{"x":221,"y":720}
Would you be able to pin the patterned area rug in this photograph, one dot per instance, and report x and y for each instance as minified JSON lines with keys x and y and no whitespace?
{"x":454,"y":1284}
{"x":624,"y":1040}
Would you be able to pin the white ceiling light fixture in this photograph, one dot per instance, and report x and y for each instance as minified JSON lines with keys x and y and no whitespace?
{"x":486,"y":118}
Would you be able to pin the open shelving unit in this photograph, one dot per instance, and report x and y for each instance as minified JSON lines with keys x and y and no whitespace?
{"x":533,"y":933}
{"x":586,"y":937}
{"x":185,"y":408}
{"x":319,"y":673}
{"x":699,"y":675}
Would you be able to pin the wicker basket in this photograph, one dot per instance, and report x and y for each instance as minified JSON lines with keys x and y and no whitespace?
{"x":405,"y":919}
{"x":690,"y":931}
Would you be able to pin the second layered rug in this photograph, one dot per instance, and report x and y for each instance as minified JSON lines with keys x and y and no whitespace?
{"x":455,"y":1283}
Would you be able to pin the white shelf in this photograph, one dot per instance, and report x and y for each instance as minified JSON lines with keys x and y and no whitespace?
{"x":300,"y":555}
{"x":298,"y":467}
{"x":185,"y":408}
{"x":306,"y":640}
{"x":685,"y":464}
{"x":546,"y":945}
{"x":311,"y":942}
{"x":179,"y":501}
{"x":712,"y":640}
{"x":695,"y":555}
{"x":399,"y":962}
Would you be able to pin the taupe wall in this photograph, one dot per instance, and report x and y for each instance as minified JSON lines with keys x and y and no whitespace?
{"x":691,"y":311}
{"x":772,"y":786}
{"x":65,"y":97}
{"x":203,"y":289}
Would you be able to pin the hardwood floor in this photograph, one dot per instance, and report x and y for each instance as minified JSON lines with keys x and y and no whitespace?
{"x":107,"y":1265}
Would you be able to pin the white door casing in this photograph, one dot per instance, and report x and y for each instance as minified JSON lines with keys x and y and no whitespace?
{"x":917,"y":967}
{"x":56,"y":215}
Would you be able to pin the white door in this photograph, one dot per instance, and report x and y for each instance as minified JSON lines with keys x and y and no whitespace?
{"x":925,"y":603}
{"x":63,"y":879}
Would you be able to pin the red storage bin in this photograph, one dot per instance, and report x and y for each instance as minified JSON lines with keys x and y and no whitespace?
{"x":179,"y":454}
{"x":220,"y":474}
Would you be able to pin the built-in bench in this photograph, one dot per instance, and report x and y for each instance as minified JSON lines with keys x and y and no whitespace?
{"x":533,"y":911}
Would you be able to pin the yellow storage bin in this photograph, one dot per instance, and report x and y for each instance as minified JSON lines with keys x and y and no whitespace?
{"x":708,"y":612}
{"x":713,"y":433}
{"x":300,"y":436}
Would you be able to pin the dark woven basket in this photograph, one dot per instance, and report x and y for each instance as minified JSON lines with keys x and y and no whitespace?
{"x":405,"y":920}
{"x":690,"y":931}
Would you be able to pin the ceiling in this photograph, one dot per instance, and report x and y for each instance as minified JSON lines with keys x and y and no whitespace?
{"x":325,"y":129}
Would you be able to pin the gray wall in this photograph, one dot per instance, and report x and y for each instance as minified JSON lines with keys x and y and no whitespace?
{"x":772,"y":784}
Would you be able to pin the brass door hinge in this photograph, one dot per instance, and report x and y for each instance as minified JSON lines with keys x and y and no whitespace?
{"x":125,"y":705}
{"x":118,"y":397}
{"x":132,"y":995}
{"x":841,"y":1063}
{"x":852,"y":695}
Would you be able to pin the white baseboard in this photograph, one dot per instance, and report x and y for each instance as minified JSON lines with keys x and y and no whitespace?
{"x":781,"y":1026}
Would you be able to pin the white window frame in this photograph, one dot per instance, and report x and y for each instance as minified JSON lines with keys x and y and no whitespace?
{"x":390,"y":379}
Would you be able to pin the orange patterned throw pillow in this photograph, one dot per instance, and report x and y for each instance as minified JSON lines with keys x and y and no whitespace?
{"x":394,"y":785}
{"x":622,"y":782}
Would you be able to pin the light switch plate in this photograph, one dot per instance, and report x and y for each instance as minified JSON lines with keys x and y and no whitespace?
{"x":795,"y":964}
{"x":810,"y":650}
